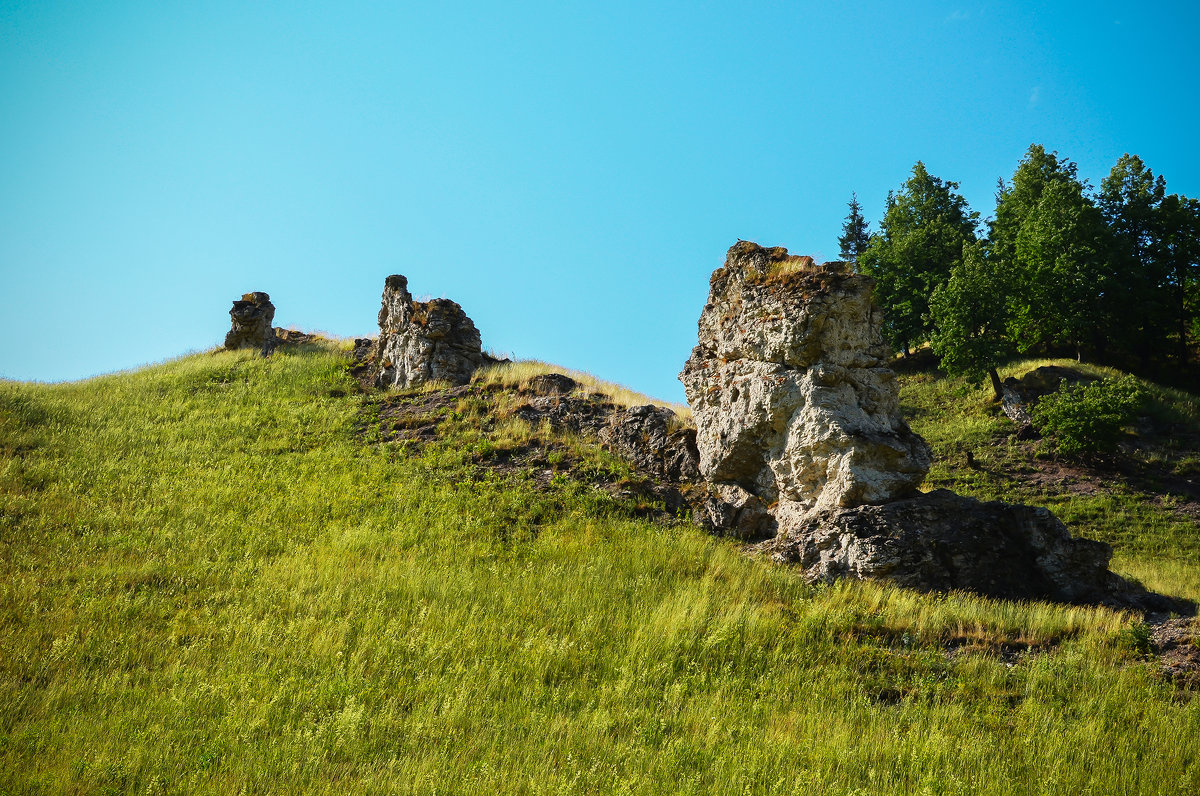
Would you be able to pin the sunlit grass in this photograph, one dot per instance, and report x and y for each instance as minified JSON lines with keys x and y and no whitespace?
{"x":211,"y":583}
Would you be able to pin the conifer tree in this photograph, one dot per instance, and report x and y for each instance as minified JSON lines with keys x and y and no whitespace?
{"x":855,"y":233}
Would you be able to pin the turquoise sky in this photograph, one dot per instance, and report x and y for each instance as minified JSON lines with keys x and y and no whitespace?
{"x":569,"y":172}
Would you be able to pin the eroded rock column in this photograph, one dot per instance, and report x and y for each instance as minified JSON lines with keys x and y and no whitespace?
{"x":252,"y":315}
{"x":422,"y":341}
{"x":803,"y":446}
{"x":790,"y":385}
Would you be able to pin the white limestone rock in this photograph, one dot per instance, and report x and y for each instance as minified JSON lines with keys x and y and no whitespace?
{"x":791,"y":390}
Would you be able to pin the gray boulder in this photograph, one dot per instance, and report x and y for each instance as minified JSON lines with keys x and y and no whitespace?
{"x":791,"y":390}
{"x":802,"y":443}
{"x":943,"y":541}
{"x":251,"y":318}
{"x":422,"y":341}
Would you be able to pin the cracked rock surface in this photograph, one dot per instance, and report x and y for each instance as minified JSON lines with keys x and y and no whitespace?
{"x":791,"y":389}
{"x":422,"y":341}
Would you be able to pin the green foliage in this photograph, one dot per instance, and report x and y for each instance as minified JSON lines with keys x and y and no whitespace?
{"x":855,"y":233}
{"x":1088,"y":418}
{"x":1136,"y":638}
{"x":970,"y":316}
{"x":919,"y":241}
{"x":1142,"y":526}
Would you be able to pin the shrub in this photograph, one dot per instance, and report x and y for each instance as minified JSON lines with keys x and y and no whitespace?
{"x":1088,"y":418}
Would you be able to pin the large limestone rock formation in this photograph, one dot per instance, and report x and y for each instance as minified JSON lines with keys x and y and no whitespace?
{"x":422,"y":341}
{"x":252,"y":316}
{"x":791,"y":389}
{"x":801,"y":441}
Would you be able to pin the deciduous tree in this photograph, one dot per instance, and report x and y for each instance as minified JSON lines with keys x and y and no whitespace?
{"x":970,"y":314}
{"x":920,"y":239}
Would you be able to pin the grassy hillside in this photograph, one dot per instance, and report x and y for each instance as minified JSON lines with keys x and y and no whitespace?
{"x":217,"y":578}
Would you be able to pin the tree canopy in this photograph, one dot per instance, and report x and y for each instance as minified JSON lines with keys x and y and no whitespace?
{"x":1111,"y":275}
{"x":920,"y":239}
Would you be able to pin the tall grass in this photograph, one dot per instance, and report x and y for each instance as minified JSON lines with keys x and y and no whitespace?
{"x":211,"y":584}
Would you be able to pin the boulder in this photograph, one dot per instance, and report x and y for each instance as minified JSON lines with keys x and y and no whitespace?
{"x":251,"y":317}
{"x":643,"y":435}
{"x":552,"y":384}
{"x":729,"y":510}
{"x":801,"y":441}
{"x":422,"y":341}
{"x":942,"y":541}
{"x":1019,"y":395}
{"x":792,"y":393}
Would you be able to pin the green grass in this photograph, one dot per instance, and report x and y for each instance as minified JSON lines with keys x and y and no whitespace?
{"x":212,"y":583}
{"x":957,"y":418}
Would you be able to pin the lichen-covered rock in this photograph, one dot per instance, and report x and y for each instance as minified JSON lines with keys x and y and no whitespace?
{"x":942,"y":541}
{"x":252,"y":315}
{"x":422,"y":341}
{"x":791,"y":390}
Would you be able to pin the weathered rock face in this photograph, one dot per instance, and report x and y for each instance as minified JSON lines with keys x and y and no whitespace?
{"x":648,"y":436}
{"x":790,"y":385}
{"x":802,"y":443}
{"x":942,"y":541}
{"x":421,"y":341}
{"x":252,"y":316}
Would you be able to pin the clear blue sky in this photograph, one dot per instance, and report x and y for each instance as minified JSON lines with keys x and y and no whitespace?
{"x":569,"y":172}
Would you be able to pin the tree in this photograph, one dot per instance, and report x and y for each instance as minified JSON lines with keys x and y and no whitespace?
{"x":920,"y":239}
{"x":1052,"y":244}
{"x":1061,"y":277}
{"x":855,"y":234}
{"x":1130,"y":199}
{"x":970,"y":316}
{"x":1016,"y":200}
{"x":1177,"y":246}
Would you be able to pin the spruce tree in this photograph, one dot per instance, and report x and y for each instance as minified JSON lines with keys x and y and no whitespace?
{"x":855,"y":234}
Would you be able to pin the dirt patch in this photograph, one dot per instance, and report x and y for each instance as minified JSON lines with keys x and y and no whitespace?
{"x":1175,"y":493}
{"x":1176,"y":642}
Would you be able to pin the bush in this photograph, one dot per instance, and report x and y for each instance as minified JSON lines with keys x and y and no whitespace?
{"x":1088,"y":418}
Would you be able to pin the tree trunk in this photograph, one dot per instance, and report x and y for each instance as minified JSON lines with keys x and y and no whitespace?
{"x":1181,"y":300}
{"x":997,"y":388}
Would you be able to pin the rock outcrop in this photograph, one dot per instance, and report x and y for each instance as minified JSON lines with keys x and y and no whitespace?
{"x":252,"y":315}
{"x":1019,"y":395}
{"x":943,"y":541}
{"x":647,"y":436}
{"x":801,"y":440}
{"x":422,"y":341}
{"x":791,"y":389}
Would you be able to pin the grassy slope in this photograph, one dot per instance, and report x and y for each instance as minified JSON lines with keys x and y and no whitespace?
{"x":1154,"y":542}
{"x":210,"y":584}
